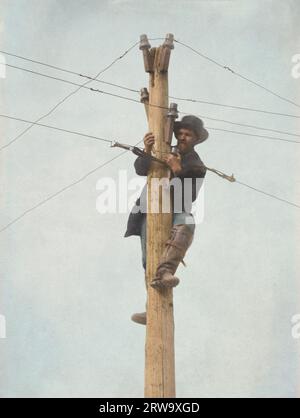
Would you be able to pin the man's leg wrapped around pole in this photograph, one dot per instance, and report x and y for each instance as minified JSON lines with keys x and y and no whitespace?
{"x":181,"y":238}
{"x":141,"y":317}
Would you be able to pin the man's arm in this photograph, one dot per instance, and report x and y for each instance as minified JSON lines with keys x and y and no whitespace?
{"x":192,"y":166}
{"x":142,"y":165}
{"x":187,"y":166}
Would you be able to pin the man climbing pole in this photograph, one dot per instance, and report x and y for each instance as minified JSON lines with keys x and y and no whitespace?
{"x":185,"y":164}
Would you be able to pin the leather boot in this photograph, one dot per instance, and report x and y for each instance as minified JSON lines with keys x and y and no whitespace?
{"x":174,"y":252}
{"x":140,"y":318}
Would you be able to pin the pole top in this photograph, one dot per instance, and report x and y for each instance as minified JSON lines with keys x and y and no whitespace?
{"x":144,"y":43}
{"x":169,"y":41}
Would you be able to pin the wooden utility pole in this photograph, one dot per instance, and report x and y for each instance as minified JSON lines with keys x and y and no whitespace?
{"x":159,"y":348}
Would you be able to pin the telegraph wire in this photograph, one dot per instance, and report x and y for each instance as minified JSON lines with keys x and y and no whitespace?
{"x":60,"y":191}
{"x":56,"y":128}
{"x":161,"y":107}
{"x":267,"y":194}
{"x":225,"y":67}
{"x":94,"y":137}
{"x":63,"y":189}
{"x":68,"y":96}
{"x":272,"y":138}
{"x":106,"y":140}
{"x":249,"y":109}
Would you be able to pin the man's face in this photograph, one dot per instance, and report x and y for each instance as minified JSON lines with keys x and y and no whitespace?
{"x":186,"y":140}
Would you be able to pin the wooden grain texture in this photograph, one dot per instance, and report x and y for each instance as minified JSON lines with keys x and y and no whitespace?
{"x":159,"y":348}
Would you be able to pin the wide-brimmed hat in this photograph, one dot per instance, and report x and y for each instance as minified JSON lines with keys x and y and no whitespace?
{"x":193,"y":123}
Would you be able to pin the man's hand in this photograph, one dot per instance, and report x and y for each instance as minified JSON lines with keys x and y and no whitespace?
{"x":149,"y":142}
{"x":174,"y":162}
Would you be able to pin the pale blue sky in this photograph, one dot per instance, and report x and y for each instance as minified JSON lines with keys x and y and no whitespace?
{"x":69,"y":280}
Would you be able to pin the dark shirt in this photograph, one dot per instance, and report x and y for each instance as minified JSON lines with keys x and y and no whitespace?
{"x":192,"y":169}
